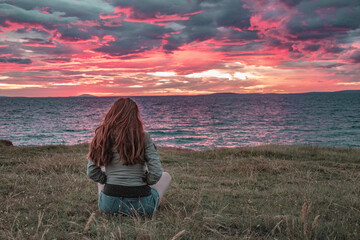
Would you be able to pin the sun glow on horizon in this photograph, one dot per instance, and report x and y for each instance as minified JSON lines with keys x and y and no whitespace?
{"x":210,"y":74}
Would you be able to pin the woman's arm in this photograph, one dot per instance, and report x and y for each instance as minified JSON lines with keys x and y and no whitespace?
{"x":94,"y":173}
{"x":153,"y":161}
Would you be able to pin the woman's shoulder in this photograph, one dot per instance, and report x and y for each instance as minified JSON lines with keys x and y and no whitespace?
{"x":148,"y":139}
{"x":147,"y":135}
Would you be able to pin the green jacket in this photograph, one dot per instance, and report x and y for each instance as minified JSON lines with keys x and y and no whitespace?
{"x":129,"y":175}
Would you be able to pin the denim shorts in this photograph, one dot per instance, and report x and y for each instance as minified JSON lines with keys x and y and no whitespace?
{"x":129,"y":206}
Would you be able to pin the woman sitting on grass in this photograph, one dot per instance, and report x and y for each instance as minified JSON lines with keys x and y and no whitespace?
{"x":133,"y":176}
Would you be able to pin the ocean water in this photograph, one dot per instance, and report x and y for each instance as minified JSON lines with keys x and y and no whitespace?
{"x":194,"y":122}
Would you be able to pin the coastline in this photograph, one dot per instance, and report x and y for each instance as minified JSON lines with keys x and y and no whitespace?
{"x":7,"y":143}
{"x":267,"y":191}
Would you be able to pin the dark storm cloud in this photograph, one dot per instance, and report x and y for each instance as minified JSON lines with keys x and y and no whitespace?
{"x":324,"y":18}
{"x":73,"y":33}
{"x":355,"y":57}
{"x":12,"y":48}
{"x":274,"y":42}
{"x":312,"y":64}
{"x":243,"y":35}
{"x":314,"y":31}
{"x":150,"y":9}
{"x":39,"y":41}
{"x":33,"y":16}
{"x":58,"y":49}
{"x":252,"y":46}
{"x":57,"y":60}
{"x":204,"y":20}
{"x":125,"y":47}
{"x":174,"y":42}
{"x":312,"y":47}
{"x":32,"y":31}
{"x":5,"y":50}
{"x":69,"y":10}
{"x":200,"y":27}
{"x":205,"y":25}
{"x":296,"y":55}
{"x":130,"y":29}
{"x":229,"y":22}
{"x":291,"y":3}
{"x":233,"y":14}
{"x":15,"y":60}
{"x":327,"y":28}
{"x":310,"y":5}
{"x":59,"y":15}
{"x":334,"y":65}
{"x":133,"y":38}
{"x":334,"y":49}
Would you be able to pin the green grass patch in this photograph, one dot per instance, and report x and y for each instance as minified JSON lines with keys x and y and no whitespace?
{"x":264,"y":192}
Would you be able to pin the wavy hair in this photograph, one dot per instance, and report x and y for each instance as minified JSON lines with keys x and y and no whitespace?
{"x":121,"y":130}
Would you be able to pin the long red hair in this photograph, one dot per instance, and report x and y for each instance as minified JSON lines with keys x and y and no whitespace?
{"x":121,"y":130}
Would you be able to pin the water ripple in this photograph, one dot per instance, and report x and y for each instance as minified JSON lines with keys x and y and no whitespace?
{"x":195,"y":122}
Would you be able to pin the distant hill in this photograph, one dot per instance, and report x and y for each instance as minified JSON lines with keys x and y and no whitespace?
{"x":225,"y":93}
{"x":86,"y":95}
{"x":230,"y":93}
{"x":348,"y":91}
{"x":335,"y":92}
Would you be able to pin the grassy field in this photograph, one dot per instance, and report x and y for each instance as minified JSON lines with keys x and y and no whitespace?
{"x":265,"y":192}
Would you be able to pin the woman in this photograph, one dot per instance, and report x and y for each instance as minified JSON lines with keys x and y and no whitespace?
{"x":133,"y":176}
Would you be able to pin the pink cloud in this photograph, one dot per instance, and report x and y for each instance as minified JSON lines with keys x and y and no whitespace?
{"x":277,"y":46}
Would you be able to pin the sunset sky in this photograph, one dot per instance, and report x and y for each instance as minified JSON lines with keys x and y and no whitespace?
{"x":172,"y":47}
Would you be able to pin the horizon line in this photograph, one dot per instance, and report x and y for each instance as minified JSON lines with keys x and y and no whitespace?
{"x":85,"y":95}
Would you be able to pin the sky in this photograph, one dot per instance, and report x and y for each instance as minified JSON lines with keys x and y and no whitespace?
{"x":177,"y":47}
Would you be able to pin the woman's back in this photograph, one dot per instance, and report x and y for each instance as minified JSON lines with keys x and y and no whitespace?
{"x":133,"y":177}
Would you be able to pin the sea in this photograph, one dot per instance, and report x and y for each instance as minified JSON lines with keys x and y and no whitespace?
{"x":193,"y":122}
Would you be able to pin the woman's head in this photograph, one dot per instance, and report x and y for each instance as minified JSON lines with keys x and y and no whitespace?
{"x":123,"y":112}
{"x":121,"y":130}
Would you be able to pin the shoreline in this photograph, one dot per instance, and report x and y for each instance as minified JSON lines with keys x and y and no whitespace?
{"x":193,"y":149}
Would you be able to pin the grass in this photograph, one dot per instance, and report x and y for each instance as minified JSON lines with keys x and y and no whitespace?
{"x":265,"y":192}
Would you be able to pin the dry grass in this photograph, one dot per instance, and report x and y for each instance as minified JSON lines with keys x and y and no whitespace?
{"x":265,"y":192}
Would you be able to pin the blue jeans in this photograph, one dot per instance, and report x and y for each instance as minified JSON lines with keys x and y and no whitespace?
{"x":129,"y":206}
